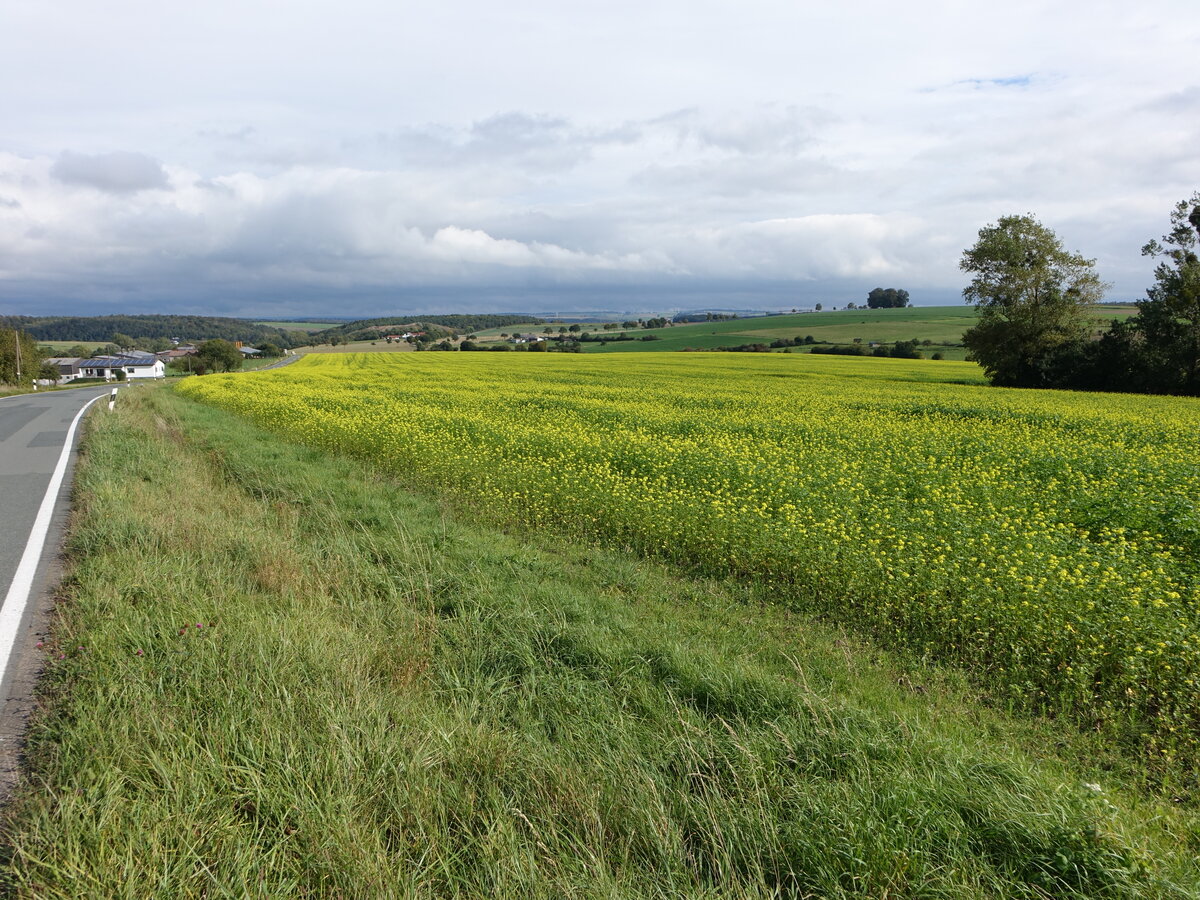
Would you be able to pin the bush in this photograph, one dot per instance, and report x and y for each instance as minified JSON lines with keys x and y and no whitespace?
{"x":747,"y":348}
{"x":836,"y":350}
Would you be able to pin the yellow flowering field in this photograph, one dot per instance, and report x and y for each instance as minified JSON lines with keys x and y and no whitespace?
{"x":1047,"y":541}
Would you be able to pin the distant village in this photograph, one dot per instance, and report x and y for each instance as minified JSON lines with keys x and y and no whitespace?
{"x":125,"y":365}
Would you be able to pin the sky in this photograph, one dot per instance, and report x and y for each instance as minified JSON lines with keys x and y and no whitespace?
{"x":271,"y":158}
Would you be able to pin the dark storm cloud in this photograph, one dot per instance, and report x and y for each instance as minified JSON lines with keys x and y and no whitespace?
{"x":120,"y":172}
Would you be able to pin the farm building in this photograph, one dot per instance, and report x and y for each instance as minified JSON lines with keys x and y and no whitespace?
{"x":68,"y":368}
{"x":134,"y":365}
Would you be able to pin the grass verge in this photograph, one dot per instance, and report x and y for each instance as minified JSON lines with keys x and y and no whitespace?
{"x":275,"y":673}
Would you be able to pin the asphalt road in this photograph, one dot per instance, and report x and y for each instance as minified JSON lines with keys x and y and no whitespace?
{"x":290,"y":358}
{"x":33,"y":430}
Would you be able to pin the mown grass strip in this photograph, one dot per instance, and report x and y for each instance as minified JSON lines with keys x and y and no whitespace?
{"x":284,"y":676}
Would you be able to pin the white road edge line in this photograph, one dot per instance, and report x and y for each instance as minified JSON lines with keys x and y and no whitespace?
{"x":18,"y":593}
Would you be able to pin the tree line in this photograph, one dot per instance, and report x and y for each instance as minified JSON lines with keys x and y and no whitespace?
{"x":19,"y":352}
{"x":1036,"y":303}
{"x":103,"y":328}
{"x":444,"y":325}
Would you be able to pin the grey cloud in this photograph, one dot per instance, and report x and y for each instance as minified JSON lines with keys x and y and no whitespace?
{"x":539,"y":144}
{"x":744,"y":178}
{"x":518,"y":129}
{"x":529,"y":225}
{"x":1182,"y":102}
{"x":120,"y":172}
{"x":9,"y":203}
{"x":216,"y":187}
{"x":266,"y":154}
{"x":765,"y":130}
{"x":533,"y":141}
{"x":239,"y":135}
{"x":523,"y":140}
{"x":509,"y":138}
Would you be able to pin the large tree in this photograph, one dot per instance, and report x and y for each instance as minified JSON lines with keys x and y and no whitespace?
{"x":219,"y":356}
{"x":20,"y":357}
{"x":1033,"y":298}
{"x":1169,"y":319}
{"x":888,"y":298}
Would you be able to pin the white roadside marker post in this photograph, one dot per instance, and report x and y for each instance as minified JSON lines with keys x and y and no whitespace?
{"x":112,"y":399}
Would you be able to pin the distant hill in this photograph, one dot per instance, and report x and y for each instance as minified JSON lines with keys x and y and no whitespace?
{"x":939,"y":329}
{"x":317,"y":320}
{"x":188,"y":328}
{"x":365,"y":329}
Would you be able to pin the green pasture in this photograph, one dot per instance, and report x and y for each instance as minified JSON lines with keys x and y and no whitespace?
{"x":58,"y":346}
{"x":943,"y":326}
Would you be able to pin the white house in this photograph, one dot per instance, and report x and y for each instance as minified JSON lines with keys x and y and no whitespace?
{"x":134,"y":365}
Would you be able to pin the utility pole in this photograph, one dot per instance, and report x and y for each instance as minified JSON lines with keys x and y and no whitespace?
{"x":17,"y":343}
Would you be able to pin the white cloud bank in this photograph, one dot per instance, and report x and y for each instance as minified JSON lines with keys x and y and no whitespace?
{"x":257,"y":156}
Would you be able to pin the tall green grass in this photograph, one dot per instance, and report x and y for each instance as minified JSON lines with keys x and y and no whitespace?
{"x":281,"y":675}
